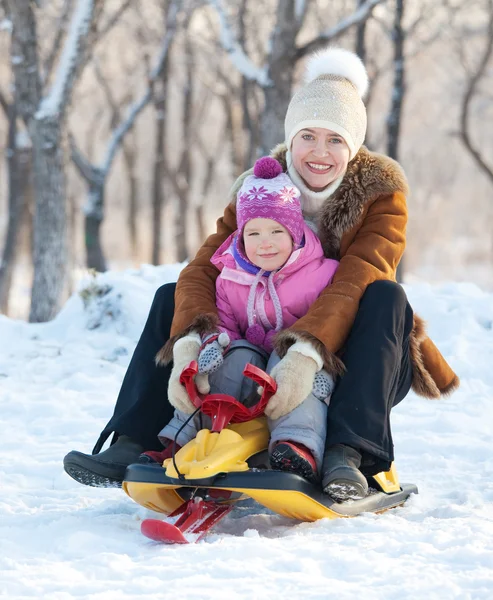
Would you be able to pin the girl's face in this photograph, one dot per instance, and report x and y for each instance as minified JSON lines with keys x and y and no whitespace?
{"x":320,"y":156}
{"x":268,"y":244}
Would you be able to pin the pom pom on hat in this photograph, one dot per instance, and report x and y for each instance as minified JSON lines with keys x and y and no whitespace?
{"x":267,"y":168}
{"x":337,"y":61}
{"x":269,"y":193}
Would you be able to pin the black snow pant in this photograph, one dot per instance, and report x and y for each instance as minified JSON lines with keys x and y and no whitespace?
{"x":378,"y":376}
{"x":142,"y":408}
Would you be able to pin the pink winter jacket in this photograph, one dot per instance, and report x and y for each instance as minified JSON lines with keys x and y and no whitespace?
{"x":298,"y":284}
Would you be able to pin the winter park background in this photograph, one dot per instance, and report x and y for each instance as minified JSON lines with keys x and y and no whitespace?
{"x":157,"y":107}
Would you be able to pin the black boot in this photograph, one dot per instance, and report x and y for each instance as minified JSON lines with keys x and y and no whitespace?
{"x":106,"y":469}
{"x":342,"y":479}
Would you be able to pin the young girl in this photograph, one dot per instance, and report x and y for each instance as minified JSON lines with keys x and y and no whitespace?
{"x":272,"y":270}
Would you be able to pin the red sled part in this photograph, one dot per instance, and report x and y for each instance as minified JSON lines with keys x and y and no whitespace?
{"x":196,"y":518}
{"x":224,"y":409}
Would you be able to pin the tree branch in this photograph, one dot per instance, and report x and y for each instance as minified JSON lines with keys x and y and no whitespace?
{"x":138,"y":106}
{"x":86,"y":170}
{"x":73,"y":57}
{"x":4,"y":104}
{"x":113,"y":20}
{"x":60,"y":28}
{"x":362,"y":13}
{"x":469,"y":95}
{"x":24,"y":58}
{"x":239,"y":58}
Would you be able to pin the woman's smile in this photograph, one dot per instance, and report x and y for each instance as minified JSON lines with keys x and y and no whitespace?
{"x":319,"y":167}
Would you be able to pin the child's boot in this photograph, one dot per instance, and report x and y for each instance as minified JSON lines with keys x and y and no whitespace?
{"x":295,"y":458}
{"x":152,"y":457}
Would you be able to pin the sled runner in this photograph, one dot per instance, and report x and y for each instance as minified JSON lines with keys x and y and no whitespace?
{"x":221,"y":466}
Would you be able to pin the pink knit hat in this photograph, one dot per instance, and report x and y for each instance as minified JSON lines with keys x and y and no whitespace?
{"x":270,"y":194}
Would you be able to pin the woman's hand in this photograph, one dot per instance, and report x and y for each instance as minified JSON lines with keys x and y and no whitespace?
{"x":294,"y":375}
{"x":185,"y":350}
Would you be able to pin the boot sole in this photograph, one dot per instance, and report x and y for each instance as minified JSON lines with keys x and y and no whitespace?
{"x":342,"y":490}
{"x":287,"y":460}
{"x":87,"y":475}
{"x":91,"y":479}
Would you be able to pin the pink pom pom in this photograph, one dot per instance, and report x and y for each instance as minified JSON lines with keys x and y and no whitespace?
{"x":267,"y":168}
{"x":269,"y":340}
{"x":255,"y":335}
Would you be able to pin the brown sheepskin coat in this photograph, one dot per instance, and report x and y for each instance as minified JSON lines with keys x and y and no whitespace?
{"x":363,"y":225}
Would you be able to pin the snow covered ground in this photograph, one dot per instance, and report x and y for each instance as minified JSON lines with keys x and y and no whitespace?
{"x":60,"y":540}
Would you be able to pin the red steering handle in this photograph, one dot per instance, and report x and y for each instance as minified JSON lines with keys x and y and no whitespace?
{"x":222,"y":408}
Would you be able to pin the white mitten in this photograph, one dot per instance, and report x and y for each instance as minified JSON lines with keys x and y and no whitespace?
{"x":294,"y":375}
{"x":185,"y":350}
{"x":212,"y":351}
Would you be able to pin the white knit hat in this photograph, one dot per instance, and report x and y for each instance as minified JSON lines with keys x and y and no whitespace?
{"x":335,"y":82}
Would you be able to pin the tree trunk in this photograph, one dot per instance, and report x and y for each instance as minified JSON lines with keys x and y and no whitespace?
{"x":92,"y":226}
{"x":201,"y":229}
{"x":46,"y":123}
{"x":282,"y":61}
{"x":129,"y":159}
{"x":184,"y":171}
{"x":50,"y":219}
{"x":360,"y":35}
{"x":250,"y":123}
{"x":398,"y":91}
{"x":18,"y":167}
{"x":161,"y":107}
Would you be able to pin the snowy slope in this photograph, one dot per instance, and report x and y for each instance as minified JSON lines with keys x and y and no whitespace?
{"x":60,"y":540}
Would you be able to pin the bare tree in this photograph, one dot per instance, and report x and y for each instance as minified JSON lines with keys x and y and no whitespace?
{"x":96,"y":175}
{"x":181,"y":178}
{"x":19,"y":190}
{"x":129,"y":152}
{"x":397,"y":97}
{"x":474,"y":78}
{"x":160,"y":96}
{"x":360,"y":47}
{"x":45,"y":118}
{"x":398,"y":88}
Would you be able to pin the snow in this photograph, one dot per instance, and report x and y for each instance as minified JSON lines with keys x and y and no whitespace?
{"x":61,"y":540}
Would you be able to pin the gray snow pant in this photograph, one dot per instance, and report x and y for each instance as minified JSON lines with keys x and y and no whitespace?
{"x":306,"y":424}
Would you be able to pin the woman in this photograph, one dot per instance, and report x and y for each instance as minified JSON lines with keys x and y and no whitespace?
{"x":356,"y":202}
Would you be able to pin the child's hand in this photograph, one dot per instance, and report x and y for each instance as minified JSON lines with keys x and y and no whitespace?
{"x":294,"y":376}
{"x":323,"y":386}
{"x":211,"y":352}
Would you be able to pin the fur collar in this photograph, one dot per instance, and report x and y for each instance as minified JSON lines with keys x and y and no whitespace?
{"x":368,"y":176}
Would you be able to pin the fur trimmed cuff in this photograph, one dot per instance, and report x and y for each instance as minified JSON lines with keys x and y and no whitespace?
{"x":285,"y":340}
{"x":309,"y":351}
{"x":202,"y":325}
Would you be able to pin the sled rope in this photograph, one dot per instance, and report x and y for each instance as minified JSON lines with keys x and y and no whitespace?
{"x":173,"y":450}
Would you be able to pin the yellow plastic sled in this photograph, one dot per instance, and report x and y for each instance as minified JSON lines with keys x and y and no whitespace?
{"x":229,"y":463}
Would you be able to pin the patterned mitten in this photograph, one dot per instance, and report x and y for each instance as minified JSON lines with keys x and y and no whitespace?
{"x":323,"y":385}
{"x":211,"y":352}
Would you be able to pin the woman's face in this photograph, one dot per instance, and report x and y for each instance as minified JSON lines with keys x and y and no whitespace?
{"x":268,"y":244}
{"x":320,"y":156}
